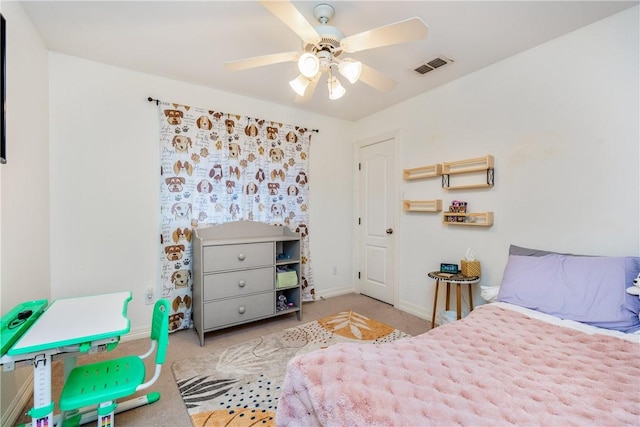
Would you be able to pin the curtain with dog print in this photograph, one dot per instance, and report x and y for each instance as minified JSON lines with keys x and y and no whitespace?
{"x":218,"y":167}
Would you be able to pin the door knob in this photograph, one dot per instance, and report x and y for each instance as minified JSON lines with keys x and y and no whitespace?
{"x":389,"y":230}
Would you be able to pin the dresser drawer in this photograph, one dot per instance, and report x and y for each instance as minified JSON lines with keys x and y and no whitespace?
{"x":232,"y":257}
{"x":238,"y":310}
{"x":237,"y":283}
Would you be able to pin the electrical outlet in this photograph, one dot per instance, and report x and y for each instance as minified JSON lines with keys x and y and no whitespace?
{"x":335,"y":270}
{"x":148,"y":296}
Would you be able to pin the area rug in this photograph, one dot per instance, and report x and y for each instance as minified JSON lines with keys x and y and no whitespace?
{"x":240,"y":385}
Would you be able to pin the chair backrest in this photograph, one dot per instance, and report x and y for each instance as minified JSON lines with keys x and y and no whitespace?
{"x":160,"y":329}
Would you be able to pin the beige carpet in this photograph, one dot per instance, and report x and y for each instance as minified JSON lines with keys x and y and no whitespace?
{"x":240,"y":385}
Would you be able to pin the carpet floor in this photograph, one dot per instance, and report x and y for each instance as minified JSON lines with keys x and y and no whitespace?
{"x":170,"y":411}
{"x":240,"y":385}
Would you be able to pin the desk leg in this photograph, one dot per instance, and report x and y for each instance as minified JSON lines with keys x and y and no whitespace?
{"x":42,"y":411}
{"x":470,"y":299}
{"x":458,"y":302}
{"x":435,"y":305}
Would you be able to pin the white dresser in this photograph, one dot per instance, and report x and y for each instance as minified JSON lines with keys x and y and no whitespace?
{"x":241,"y":269}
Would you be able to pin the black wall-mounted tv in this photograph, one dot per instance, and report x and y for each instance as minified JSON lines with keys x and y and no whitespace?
{"x":3,"y":90}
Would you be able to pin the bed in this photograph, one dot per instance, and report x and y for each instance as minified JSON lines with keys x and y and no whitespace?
{"x":560,"y":346}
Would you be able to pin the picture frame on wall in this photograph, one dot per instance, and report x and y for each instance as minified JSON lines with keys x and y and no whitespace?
{"x":3,"y":90}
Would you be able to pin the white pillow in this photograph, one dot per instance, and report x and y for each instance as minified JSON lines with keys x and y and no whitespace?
{"x":490,"y":293}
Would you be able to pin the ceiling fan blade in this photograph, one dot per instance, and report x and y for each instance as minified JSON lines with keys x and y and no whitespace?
{"x":310,"y":90}
{"x":376,"y":79}
{"x":259,"y":61}
{"x":400,"y":32}
{"x":292,"y":18}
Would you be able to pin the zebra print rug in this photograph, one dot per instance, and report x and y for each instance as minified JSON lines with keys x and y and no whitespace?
{"x":240,"y":385}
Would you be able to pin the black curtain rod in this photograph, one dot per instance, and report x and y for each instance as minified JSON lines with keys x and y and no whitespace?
{"x":157,"y":101}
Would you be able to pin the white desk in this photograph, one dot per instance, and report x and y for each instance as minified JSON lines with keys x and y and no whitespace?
{"x":72,"y":325}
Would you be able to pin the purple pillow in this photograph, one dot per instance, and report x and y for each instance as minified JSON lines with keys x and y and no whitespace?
{"x":585,"y":289}
{"x":519,"y":250}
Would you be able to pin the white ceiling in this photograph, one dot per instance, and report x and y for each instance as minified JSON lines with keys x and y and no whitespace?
{"x":190,"y":41}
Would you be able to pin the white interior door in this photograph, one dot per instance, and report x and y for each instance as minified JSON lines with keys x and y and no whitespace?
{"x":377,"y":221}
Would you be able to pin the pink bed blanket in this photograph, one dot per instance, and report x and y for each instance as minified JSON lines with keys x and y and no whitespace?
{"x":496,"y":367}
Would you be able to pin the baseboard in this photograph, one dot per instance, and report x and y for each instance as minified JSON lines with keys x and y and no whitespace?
{"x":414,"y":310}
{"x":16,"y":406}
{"x":335,"y":292}
{"x":136,"y":335}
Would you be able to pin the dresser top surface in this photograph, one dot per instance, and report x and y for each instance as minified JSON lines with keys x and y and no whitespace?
{"x":239,"y":232}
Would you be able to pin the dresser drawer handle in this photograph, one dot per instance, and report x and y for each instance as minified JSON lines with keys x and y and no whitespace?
{"x":242,"y":283}
{"x":241,"y":257}
{"x":241,"y":310}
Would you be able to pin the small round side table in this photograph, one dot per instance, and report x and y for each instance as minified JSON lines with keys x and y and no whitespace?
{"x":456,"y":279}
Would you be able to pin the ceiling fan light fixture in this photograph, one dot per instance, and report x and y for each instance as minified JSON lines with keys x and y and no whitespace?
{"x":336,"y":90}
{"x":308,"y":64}
{"x":350,"y":69}
{"x":300,"y":84}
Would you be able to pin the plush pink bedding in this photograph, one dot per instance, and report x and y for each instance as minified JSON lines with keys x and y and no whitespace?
{"x":496,"y":367}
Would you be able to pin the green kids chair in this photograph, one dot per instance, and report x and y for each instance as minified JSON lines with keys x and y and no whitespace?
{"x":102,"y":383}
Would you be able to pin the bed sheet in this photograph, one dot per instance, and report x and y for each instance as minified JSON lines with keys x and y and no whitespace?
{"x":588,"y":329}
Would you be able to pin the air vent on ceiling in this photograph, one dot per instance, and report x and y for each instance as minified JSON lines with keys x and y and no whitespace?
{"x":438,"y":62}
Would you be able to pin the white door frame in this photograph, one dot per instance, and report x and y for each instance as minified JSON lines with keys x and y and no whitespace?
{"x":396,"y":200}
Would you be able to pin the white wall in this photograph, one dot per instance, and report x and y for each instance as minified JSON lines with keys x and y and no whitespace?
{"x":562,"y":122}
{"x":25,"y":177}
{"x":24,"y":180}
{"x":105,"y":179}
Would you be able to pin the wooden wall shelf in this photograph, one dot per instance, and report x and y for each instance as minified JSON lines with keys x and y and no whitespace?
{"x":422,"y":205}
{"x":468,"y":165}
{"x":446,"y":186}
{"x":422,"y":172}
{"x":478,"y":164}
{"x":477,"y":219}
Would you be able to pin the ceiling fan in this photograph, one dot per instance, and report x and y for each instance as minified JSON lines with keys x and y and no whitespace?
{"x":323,"y":48}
